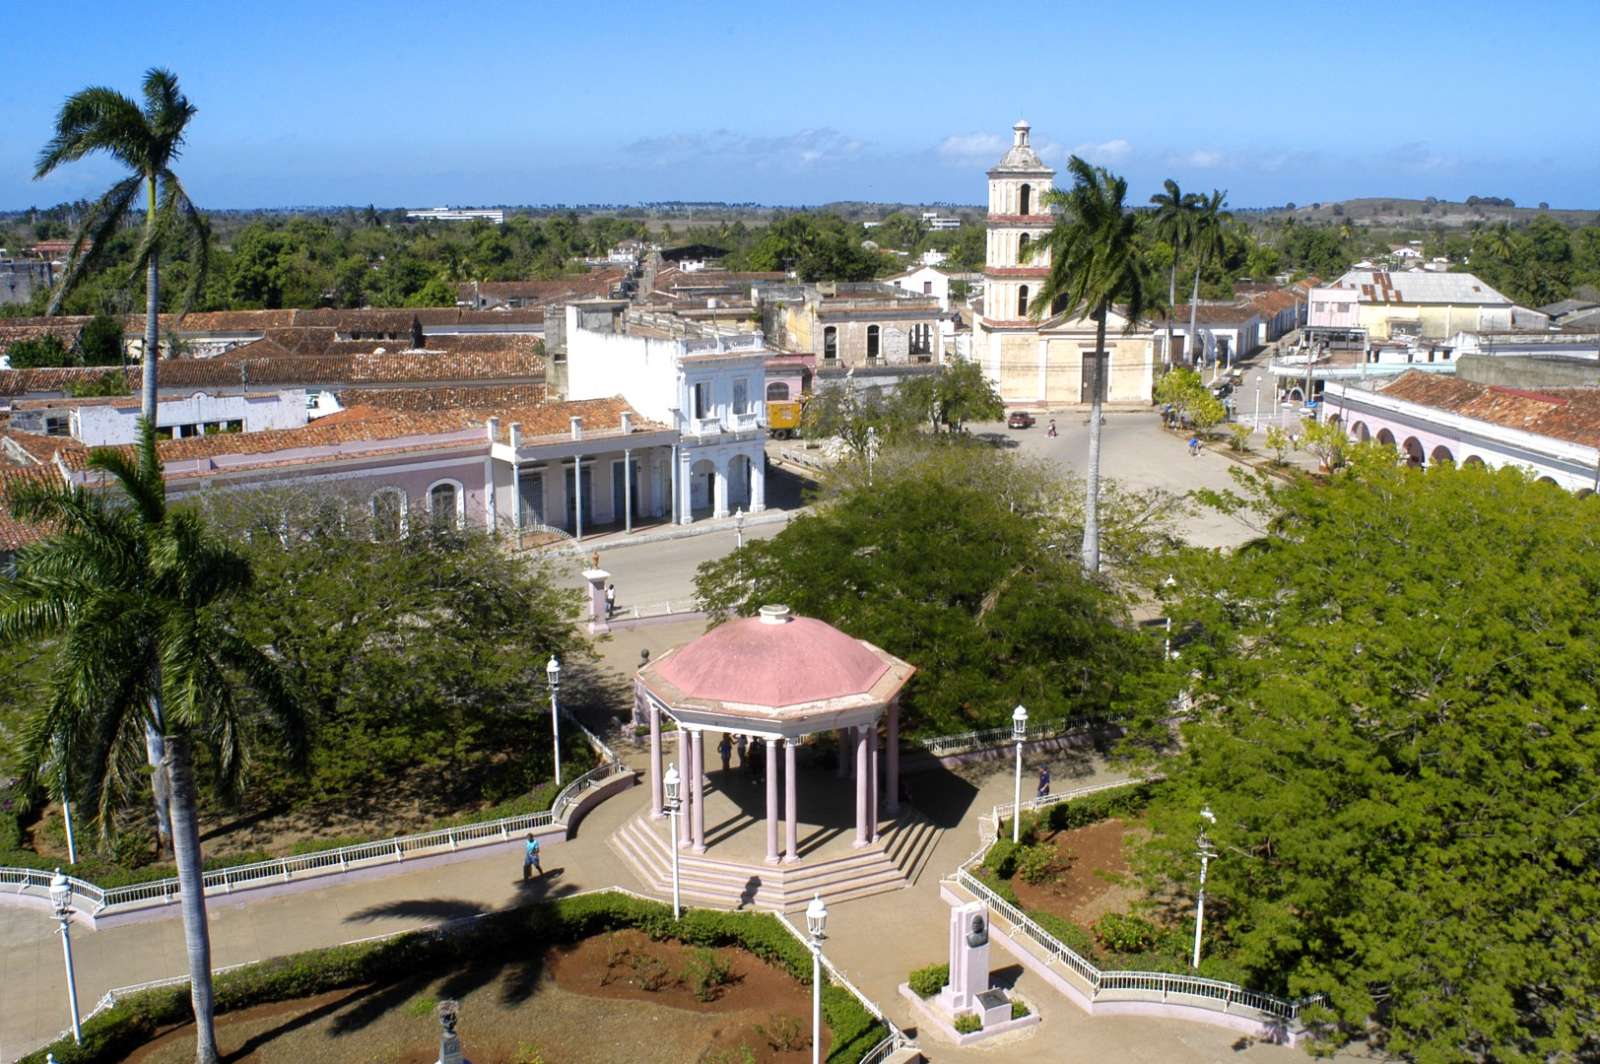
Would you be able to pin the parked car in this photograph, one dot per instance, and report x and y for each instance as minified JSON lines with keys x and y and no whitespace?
{"x":1020,"y":419}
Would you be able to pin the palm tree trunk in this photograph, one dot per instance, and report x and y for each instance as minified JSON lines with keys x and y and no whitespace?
{"x":155,"y":748}
{"x":1091,"y":500}
{"x":1194,"y":313}
{"x":152,"y":305}
{"x":191,"y":894}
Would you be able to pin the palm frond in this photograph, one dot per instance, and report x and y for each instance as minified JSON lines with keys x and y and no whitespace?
{"x":94,"y":236}
{"x":179,"y":223}
{"x":167,"y":111}
{"x":139,"y":476}
{"x":285,"y":712}
{"x":97,"y":119}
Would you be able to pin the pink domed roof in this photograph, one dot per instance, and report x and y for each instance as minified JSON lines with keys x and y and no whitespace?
{"x":774,"y":660}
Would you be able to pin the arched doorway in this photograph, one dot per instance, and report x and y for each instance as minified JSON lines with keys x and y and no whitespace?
{"x":1548,"y":480}
{"x":703,"y":486}
{"x":777,"y":391}
{"x":1474,"y":460}
{"x":1386,"y":438}
{"x":1413,"y":452}
{"x":1441,"y":456}
{"x":1360,"y":432}
{"x":739,"y":483}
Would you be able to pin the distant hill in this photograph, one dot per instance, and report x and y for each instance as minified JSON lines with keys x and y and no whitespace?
{"x":1391,"y":212}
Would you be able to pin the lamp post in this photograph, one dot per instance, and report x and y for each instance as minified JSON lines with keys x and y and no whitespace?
{"x":61,"y":902}
{"x":672,"y":782}
{"x":1019,"y":732}
{"x":738,"y":529}
{"x":816,"y":925}
{"x":872,"y":450}
{"x":1205,"y":853}
{"x":1257,"y":425}
{"x":552,"y":671}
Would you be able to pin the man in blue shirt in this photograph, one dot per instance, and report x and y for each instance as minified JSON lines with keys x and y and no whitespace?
{"x":530,"y":857}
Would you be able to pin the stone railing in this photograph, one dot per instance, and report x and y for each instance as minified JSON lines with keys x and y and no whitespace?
{"x":1120,"y":986}
{"x":896,"y":1039}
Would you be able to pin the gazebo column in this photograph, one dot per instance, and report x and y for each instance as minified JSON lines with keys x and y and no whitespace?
{"x":872,"y":781}
{"x":861,"y":787}
{"x":790,"y":804}
{"x":656,"y":793}
{"x":685,"y":791}
{"x":698,"y":775}
{"x":892,"y":759}
{"x":772,"y":801}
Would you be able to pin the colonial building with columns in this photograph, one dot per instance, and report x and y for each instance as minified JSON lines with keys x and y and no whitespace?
{"x":706,"y":385}
{"x":1042,"y":361}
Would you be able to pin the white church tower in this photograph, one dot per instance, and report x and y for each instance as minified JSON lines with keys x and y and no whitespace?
{"x":1017,"y":217}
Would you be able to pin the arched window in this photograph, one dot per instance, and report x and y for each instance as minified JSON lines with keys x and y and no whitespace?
{"x":1024,"y":199}
{"x":388,"y":514}
{"x":777,"y":392}
{"x":872,"y":341}
{"x":1022,"y":301}
{"x":445,"y":504}
{"x":830,"y":343}
{"x":1059,"y":304}
{"x":1022,"y":247}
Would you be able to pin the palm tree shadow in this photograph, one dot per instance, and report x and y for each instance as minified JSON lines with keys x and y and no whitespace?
{"x":294,"y":1023}
{"x":442,"y":909}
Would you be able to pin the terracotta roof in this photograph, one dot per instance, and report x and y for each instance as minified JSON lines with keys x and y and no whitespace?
{"x":378,"y":319}
{"x":1571,"y":414}
{"x":1274,"y":302}
{"x":444,"y":397}
{"x":264,"y":362}
{"x":673,"y":277}
{"x":35,"y":449}
{"x":66,"y":329}
{"x":15,"y":533}
{"x":14,"y":382}
{"x":1214,"y":313}
{"x":593,"y":283}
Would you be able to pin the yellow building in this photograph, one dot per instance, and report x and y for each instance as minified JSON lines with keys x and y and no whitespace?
{"x":1042,"y":362}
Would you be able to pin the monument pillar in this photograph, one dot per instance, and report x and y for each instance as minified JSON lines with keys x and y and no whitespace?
{"x":597,"y":577}
{"x":969,"y":958}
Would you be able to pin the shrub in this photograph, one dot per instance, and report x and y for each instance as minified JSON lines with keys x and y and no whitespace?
{"x":706,"y":974}
{"x":1093,"y":808}
{"x":650,"y":971}
{"x":1124,"y":934}
{"x":1037,"y":864}
{"x":1279,"y":444}
{"x":1002,"y":858}
{"x":968,"y":1023}
{"x":926,"y":982}
{"x":1018,"y":1009}
{"x":783,"y":1033}
{"x":740,"y":1054}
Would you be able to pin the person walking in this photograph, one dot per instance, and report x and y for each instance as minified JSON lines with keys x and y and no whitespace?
{"x":725,"y":748}
{"x":530,"y":858}
{"x":611,"y":600}
{"x":742,"y":746}
{"x":1044,"y":781}
{"x":1052,"y":430}
{"x":1194,"y":446}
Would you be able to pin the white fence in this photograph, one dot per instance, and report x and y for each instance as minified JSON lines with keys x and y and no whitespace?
{"x":36,"y":883}
{"x":896,"y":1039}
{"x":1211,"y":994}
{"x":940,"y":745}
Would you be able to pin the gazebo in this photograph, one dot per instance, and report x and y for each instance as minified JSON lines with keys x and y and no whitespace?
{"x":777,"y":678}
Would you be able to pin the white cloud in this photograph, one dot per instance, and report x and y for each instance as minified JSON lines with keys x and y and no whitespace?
{"x":1110,"y":151}
{"x":805,"y":148}
{"x":1203,"y":158}
{"x":969,"y":149}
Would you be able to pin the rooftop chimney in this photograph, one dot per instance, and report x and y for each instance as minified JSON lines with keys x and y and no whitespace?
{"x":627,"y":422}
{"x":775,"y":615}
{"x":516,"y":434}
{"x":493,"y":426}
{"x":577,"y":428}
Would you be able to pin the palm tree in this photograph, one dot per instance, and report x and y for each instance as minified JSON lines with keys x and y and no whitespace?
{"x":1174,"y":218}
{"x":1095,"y":262}
{"x":1205,"y":240}
{"x":1499,"y":242}
{"x":147,"y":140}
{"x":133,"y":593}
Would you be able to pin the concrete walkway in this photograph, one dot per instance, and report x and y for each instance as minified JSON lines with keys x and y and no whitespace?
{"x":875,"y":941}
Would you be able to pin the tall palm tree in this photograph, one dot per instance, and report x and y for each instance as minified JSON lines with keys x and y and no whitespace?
{"x":1499,"y":241}
{"x":1174,"y":219}
{"x":147,"y":140}
{"x":133,"y":594}
{"x":1096,"y":262}
{"x":1205,"y":240}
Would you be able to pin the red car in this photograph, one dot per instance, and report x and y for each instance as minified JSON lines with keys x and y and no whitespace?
{"x":1020,"y":419}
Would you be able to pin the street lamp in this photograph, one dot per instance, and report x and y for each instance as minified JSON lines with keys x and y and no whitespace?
{"x":738,"y":529}
{"x":1019,"y":732}
{"x":61,"y":902}
{"x":872,"y":450}
{"x":816,"y":925}
{"x":552,"y":671}
{"x":672,"y":783}
{"x":1257,"y":426}
{"x":1204,"y":851}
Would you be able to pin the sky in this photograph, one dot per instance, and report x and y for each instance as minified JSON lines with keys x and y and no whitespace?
{"x":341,"y":102}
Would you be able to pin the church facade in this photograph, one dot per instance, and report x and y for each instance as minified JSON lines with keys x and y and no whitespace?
{"x":1042,"y":362}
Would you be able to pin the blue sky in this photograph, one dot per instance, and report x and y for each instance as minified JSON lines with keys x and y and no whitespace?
{"x":351,"y":102}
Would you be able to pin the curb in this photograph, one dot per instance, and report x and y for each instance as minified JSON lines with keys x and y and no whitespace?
{"x":724,"y":524}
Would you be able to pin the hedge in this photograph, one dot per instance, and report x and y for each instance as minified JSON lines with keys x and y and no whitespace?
{"x":928,"y":981}
{"x":505,"y":935}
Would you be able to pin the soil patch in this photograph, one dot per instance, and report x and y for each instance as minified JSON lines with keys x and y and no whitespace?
{"x":580,"y":1004}
{"x":1094,"y":880}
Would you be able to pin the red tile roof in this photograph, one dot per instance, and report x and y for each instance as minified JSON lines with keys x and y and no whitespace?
{"x":15,"y":533}
{"x":1571,"y":414}
{"x":445,"y":397}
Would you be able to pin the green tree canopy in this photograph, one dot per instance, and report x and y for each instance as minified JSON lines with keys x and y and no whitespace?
{"x":959,"y":560}
{"x":1396,"y":719}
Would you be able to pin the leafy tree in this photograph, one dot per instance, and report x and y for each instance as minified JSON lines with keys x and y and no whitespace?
{"x":848,"y":412}
{"x":1327,"y":442}
{"x":1095,"y":262}
{"x":1186,"y":392}
{"x":135,"y":594}
{"x":39,"y":351}
{"x":437,"y":292}
{"x":955,"y":559}
{"x":1393,"y":719}
{"x":956,"y":395}
{"x":109,"y":383}
{"x":100,"y":343}
{"x":147,"y":140}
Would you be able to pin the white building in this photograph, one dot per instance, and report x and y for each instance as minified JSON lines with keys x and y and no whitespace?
{"x":709,"y":390}
{"x":456,"y":214}
{"x":114,"y":422}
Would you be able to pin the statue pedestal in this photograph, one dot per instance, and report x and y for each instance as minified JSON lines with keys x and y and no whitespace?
{"x":450,"y":1050}
{"x":969,"y":958}
{"x":598,"y":621}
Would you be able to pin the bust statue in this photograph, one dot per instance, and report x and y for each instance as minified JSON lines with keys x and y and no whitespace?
{"x":448,"y":1012}
{"x":979,"y":935}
